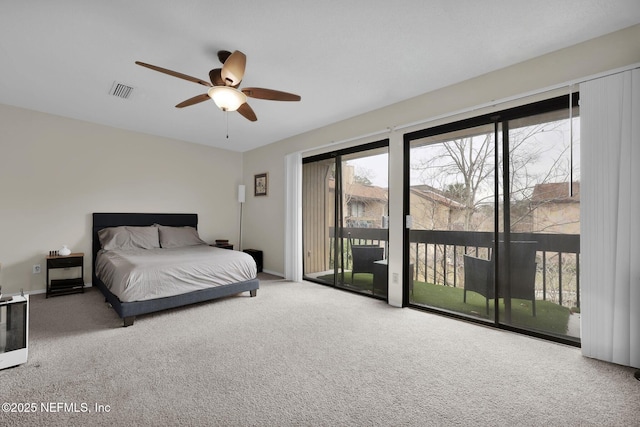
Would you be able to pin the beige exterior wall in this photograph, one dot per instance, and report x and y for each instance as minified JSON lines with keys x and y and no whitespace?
{"x":55,"y":172}
{"x":557,"y":218}
{"x":430,"y":215}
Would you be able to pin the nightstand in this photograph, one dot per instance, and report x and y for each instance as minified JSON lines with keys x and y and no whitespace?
{"x":65,"y":286}
{"x":257,"y":256}
{"x":223,"y":245}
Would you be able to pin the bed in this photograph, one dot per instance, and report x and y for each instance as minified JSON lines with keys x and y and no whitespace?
{"x":169,"y":284}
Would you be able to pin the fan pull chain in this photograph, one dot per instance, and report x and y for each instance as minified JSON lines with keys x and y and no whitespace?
{"x":226,"y":117}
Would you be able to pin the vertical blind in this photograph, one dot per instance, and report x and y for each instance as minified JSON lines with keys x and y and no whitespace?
{"x":293,"y":217}
{"x":610,"y":218}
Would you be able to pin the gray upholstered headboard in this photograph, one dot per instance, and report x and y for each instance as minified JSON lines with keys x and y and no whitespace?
{"x":104,"y":220}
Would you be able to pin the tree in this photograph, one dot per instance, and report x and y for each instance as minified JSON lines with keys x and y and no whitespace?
{"x":456,"y":191}
{"x":462,"y":165}
{"x":464,"y":169}
{"x":362,"y":180}
{"x":363,"y":175}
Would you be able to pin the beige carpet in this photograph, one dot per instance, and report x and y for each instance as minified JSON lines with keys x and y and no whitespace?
{"x":302,"y":354}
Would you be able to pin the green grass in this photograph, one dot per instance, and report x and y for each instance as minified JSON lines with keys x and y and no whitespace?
{"x":550,"y":317}
{"x":361,"y":282}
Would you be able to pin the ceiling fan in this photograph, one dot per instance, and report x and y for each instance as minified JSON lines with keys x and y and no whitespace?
{"x":223,"y":88}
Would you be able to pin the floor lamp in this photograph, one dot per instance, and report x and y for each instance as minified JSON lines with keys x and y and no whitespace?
{"x":241,"y":201}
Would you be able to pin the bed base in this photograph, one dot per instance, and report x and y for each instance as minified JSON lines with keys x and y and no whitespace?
{"x":129,"y":310}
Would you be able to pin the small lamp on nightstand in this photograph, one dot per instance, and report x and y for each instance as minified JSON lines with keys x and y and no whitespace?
{"x":241,"y":191}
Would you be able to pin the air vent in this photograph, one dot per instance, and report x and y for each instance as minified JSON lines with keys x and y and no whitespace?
{"x":121,"y":90}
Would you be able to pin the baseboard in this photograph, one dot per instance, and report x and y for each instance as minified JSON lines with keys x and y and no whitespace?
{"x":31,"y":292}
{"x":274,"y":273}
{"x":40,"y":291}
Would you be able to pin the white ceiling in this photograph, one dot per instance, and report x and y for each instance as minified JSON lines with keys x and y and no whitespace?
{"x":343,"y":57}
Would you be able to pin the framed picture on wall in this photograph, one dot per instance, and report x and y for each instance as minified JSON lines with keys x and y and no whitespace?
{"x":260,"y":184}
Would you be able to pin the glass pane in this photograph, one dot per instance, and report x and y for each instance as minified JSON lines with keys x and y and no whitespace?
{"x":451,"y":202}
{"x":541,"y":288}
{"x":318,"y":220}
{"x":365,"y":197}
{"x":345,"y":235}
{"x":13,"y":333}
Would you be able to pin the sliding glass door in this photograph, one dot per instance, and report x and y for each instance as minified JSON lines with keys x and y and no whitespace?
{"x":541,"y":221}
{"x":494,"y":229}
{"x":345,"y":208}
{"x":452,"y":208}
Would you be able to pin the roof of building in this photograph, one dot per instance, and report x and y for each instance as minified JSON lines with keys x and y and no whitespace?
{"x":431,"y":193}
{"x":556,"y":192}
{"x":361,"y":191}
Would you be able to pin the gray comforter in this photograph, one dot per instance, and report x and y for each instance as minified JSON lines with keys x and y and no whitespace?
{"x":144,"y":274}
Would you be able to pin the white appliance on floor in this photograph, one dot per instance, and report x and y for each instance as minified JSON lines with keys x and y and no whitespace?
{"x":14,"y":331}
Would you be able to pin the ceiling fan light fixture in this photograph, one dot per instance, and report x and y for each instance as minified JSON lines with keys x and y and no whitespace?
{"x":227,"y":98}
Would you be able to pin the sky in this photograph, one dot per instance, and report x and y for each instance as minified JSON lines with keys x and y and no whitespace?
{"x":549,"y":144}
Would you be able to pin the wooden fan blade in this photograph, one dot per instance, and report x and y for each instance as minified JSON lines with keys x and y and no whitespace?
{"x":223,"y":55}
{"x":175,"y":74}
{"x":216,"y":77}
{"x":247,"y":112}
{"x":195,"y":100}
{"x":273,"y":95}
{"x":233,"y":68}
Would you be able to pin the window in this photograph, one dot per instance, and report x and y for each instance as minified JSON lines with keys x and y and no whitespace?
{"x":356,"y":209}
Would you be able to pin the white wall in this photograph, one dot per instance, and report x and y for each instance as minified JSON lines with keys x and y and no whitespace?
{"x":264,"y":217}
{"x":55,"y":172}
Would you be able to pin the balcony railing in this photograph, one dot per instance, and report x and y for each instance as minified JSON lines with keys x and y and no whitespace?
{"x":437,"y":257}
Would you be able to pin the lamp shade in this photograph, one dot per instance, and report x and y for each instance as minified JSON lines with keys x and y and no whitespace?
{"x":227,"y":98}
{"x":241,"y":193}
{"x":233,"y":68}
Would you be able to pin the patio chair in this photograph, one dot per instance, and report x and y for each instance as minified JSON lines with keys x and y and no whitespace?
{"x":363,"y":257}
{"x":479,"y":273}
